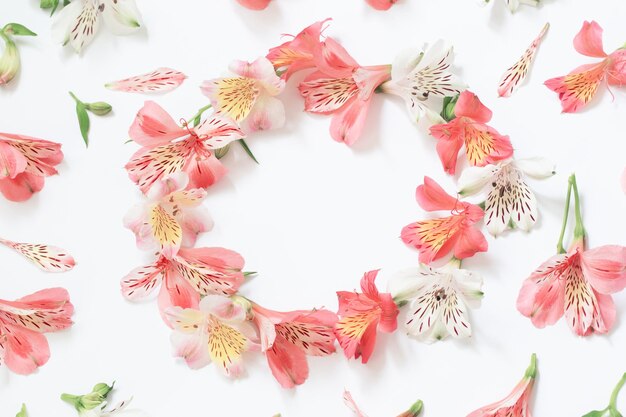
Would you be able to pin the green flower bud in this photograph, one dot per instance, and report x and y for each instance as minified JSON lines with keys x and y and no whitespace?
{"x":89,"y":401}
{"x":99,"y":108}
{"x":449,"y":103}
{"x":47,"y":4}
{"x":9,"y":61}
{"x":221,"y":152}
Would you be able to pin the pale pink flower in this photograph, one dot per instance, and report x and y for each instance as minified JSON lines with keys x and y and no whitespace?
{"x":159,"y":80}
{"x":46,"y":257}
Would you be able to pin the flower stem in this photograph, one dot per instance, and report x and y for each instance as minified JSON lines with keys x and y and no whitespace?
{"x":531,"y":371}
{"x":199,"y":114}
{"x":76,"y":99}
{"x":559,"y":245}
{"x":579,"y":230}
{"x":615,"y":393}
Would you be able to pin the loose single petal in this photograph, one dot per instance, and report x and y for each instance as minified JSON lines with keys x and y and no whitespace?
{"x":47,"y":258}
{"x":159,"y":80}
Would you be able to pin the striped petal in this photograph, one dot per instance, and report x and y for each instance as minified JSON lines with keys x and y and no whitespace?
{"x":323,"y":94}
{"x":226,"y":347}
{"x":45,"y":311}
{"x":41,"y":155}
{"x":77,"y":23}
{"x":515,"y":75}
{"x":312,"y":337}
{"x":47,"y":258}
{"x":141,"y":281}
{"x":211,"y":270}
{"x":579,"y":87}
{"x":166,"y":230}
{"x":150,"y":165}
{"x":349,"y":402}
{"x":218,"y":131}
{"x":432,"y":236}
{"x":159,"y":80}
{"x":484,"y":145}
{"x":234,"y":97}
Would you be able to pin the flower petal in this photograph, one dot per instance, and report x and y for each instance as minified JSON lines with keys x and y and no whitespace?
{"x":288,"y":363}
{"x":166,"y":230}
{"x":432,"y":197}
{"x":324,"y":94}
{"x":121,"y":16}
{"x":217,"y":131}
{"x":160,"y":80}
{"x":147,"y":166}
{"x":579,"y":87}
{"x":267,"y":113}
{"x":605,"y":268}
{"x":141,"y":281}
{"x":12,"y":162}
{"x":588,"y":41}
{"x":474,"y":179}
{"x":153,"y":126}
{"x":233,"y":96}
{"x":47,"y":258}
{"x":469,"y":105}
{"x":211,"y":270}
{"x":44,"y":311}
{"x":22,"y":187}
{"x":24,"y":350}
{"x":76,"y":23}
{"x":349,"y":401}
{"x":347,"y":125}
{"x":433,"y":238}
{"x":204,"y":172}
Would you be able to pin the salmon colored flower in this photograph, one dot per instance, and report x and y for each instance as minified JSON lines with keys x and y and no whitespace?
{"x":45,"y":257}
{"x":24,"y":164}
{"x":254,"y":4}
{"x":580,"y":86}
{"x":172,"y":217}
{"x":342,"y":88}
{"x":381,"y":4}
{"x":483,"y":144}
{"x":286,"y":339}
{"x":248,"y":96}
{"x":576,"y":283}
{"x":457,"y":233}
{"x":517,"y":403}
{"x":187,"y":276}
{"x":168,"y":148}
{"x":439,"y":300}
{"x":23,"y":322}
{"x":414,"y":411}
{"x":361,"y":315}
{"x":217,"y":331}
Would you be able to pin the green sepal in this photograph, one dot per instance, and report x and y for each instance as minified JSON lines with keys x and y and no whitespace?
{"x":246,"y":148}
{"x":23,"y":412}
{"x":449,"y":104}
{"x":17,"y":30}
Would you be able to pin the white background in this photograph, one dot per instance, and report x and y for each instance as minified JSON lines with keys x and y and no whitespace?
{"x":315,"y":214}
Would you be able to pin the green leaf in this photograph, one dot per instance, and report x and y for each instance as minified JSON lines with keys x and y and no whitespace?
{"x":83,"y":121}
{"x":22,"y":412}
{"x":246,"y":148}
{"x":47,"y":4}
{"x":595,"y":413}
{"x":18,"y":30}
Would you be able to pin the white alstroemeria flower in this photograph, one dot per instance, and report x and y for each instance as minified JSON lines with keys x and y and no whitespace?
{"x":510,"y":202}
{"x":513,"y":5}
{"x":438,"y":299}
{"x":419,"y":76}
{"x":78,"y":22}
{"x":120,"y":410}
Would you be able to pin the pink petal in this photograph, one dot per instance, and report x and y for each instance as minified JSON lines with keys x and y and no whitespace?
{"x":141,"y":281}
{"x":349,"y":401}
{"x":347,"y":125}
{"x":579,"y":87}
{"x":431,"y":197}
{"x":542,"y":296}
{"x":617,"y":71}
{"x":589,"y":40}
{"x":204,"y":172}
{"x":25,"y":350}
{"x":267,"y":113}
{"x":368,"y":284}
{"x":22,"y":187}
{"x":471,"y":241}
{"x":218,"y":130}
{"x":193,"y":222}
{"x":153,"y":126}
{"x":12,"y":161}
{"x":176,"y":292}
{"x":450,"y":141}
{"x":288,"y":363}
{"x":48,"y":310}
{"x":47,"y":258}
{"x":605,"y":315}
{"x":381,"y":4}
{"x":334,"y":61}
{"x":159,"y":80}
{"x":254,"y":4}
{"x":468,"y":105}
{"x":605,"y":268}
{"x":389,"y":316}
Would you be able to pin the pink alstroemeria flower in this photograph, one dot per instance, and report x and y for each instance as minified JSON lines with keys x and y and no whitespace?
{"x":217,"y":331}
{"x":579,"y":87}
{"x":342,"y":88}
{"x":516,"y":404}
{"x":248,"y":96}
{"x":362,"y":315}
{"x":254,"y":4}
{"x":23,"y":347}
{"x":189,"y":275}
{"x":24,"y":163}
{"x":172,"y":217}
{"x":286,"y":339}
{"x":457,"y":233}
{"x":381,"y":4}
{"x":483,"y":144}
{"x":46,"y":257}
{"x":168,"y":148}
{"x":576,"y":283}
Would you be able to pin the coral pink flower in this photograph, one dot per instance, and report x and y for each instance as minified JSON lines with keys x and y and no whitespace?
{"x":47,"y":258}
{"x":516,"y":404}
{"x":189,"y":275}
{"x":159,"y":80}
{"x":286,"y":339}
{"x":362,"y":315}
{"x":579,"y":87}
{"x":168,"y":148}
{"x":298,"y":53}
{"x":24,"y":163}
{"x":172,"y":217}
{"x":217,"y":331}
{"x":457,"y":233}
{"x":248,"y":97}
{"x":254,"y":4}
{"x":342,"y":88}
{"x":23,"y":347}
{"x":381,"y":4}
{"x":483,"y":144}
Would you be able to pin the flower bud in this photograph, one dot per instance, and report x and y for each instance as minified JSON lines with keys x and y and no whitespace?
{"x":243,"y":303}
{"x":9,"y":61}
{"x":99,"y":108}
{"x":449,"y":103}
{"x":221,"y":152}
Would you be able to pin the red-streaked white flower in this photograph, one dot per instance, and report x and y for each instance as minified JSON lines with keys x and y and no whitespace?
{"x":217,"y":331}
{"x":186,"y":277}
{"x":159,"y":80}
{"x":516,"y":74}
{"x":483,"y":144}
{"x":249,"y":95}
{"x":254,"y":4}
{"x":421,"y":76}
{"x":517,"y":403}
{"x":439,"y":300}
{"x":47,"y":258}
{"x":580,"y":86}
{"x":168,"y":148}
{"x":342,"y":88}
{"x":79,"y":21}
{"x":361,"y":315}
{"x":510,"y":201}
{"x":457,"y":233}
{"x":23,"y":322}
{"x":287,"y":338}
{"x":172,"y":217}
{"x":513,"y":5}
{"x":24,"y":163}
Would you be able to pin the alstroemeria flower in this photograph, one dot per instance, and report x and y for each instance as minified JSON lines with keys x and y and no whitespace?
{"x":457,"y":233}
{"x":483,"y":144}
{"x":361,"y":315}
{"x":172,"y":217}
{"x":419,"y":76}
{"x":342,"y":88}
{"x":187,"y":276}
{"x":414,"y":411}
{"x":576,"y":283}
{"x":254,"y":4}
{"x":94,"y":404}
{"x":439,"y":299}
{"x":79,"y":21}
{"x":286,"y":339}
{"x":298,"y":53}
{"x":10,"y":59}
{"x":579,"y":87}
{"x":248,"y":96}
{"x":168,"y":148}
{"x":218,"y":331}
{"x":24,"y":163}
{"x":47,"y":258}
{"x":513,"y":5}
{"x":381,"y":4}
{"x":23,"y":322}
{"x":516,"y":404}
{"x":509,"y":199}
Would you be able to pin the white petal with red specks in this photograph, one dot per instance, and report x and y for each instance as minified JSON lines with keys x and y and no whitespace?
{"x":159,"y":80}
{"x":47,"y":258}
